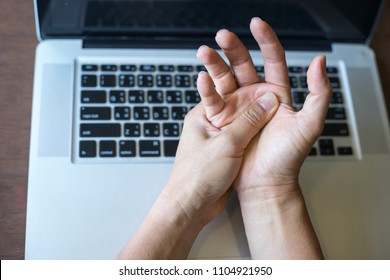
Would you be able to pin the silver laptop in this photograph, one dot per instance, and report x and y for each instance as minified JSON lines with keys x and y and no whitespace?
{"x":113,"y":82}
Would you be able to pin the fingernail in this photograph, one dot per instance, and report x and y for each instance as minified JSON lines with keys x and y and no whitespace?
{"x":268,"y":101}
{"x":201,"y":73}
{"x":222,"y":31}
{"x":201,"y":47}
{"x":255,"y":18}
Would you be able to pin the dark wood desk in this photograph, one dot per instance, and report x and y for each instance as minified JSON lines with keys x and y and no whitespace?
{"x":17,"y":47}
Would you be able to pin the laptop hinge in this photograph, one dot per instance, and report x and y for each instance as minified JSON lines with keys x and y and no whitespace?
{"x":155,"y":43}
{"x":321,"y":45}
{"x":193,"y":43}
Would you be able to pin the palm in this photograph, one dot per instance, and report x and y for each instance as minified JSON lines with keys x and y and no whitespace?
{"x":235,"y":103}
{"x":277,"y":152}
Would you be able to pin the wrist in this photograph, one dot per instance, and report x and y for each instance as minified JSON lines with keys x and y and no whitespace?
{"x":270,"y":190}
{"x":266,"y":203}
{"x":188,"y":208}
{"x":279,"y":226}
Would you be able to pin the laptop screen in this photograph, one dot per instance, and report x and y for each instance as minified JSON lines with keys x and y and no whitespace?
{"x":308,"y":20}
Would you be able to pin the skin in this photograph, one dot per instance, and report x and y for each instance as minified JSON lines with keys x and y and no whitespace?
{"x":245,"y":135}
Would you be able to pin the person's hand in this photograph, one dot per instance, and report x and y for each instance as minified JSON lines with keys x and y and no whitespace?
{"x":274,"y":157}
{"x":276,"y":221}
{"x":209,"y":158}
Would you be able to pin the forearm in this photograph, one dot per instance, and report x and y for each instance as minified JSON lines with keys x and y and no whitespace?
{"x":166,"y":233}
{"x":279,"y":227}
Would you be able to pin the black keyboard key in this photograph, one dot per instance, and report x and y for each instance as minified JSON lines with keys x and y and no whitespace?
{"x":345,"y":151}
{"x":88,"y":80}
{"x":170,"y":147}
{"x":336,"y":113}
{"x":195,"y":79}
{"x":192,"y":96}
{"x":126,"y":80}
{"x":299,"y":97}
{"x":185,"y":68}
{"x":151,"y":129}
{"x":294,"y":82}
{"x":166,"y":68}
{"x":107,"y":148}
{"x":295,"y":69}
{"x":179,"y":113}
{"x":109,"y":68}
{"x":326,"y":147}
{"x":150,"y":148}
{"x":335,"y":129}
{"x":107,"y":80}
{"x":164,"y":80}
{"x":117,"y":96}
{"x":132,"y":130}
{"x":160,"y":113}
{"x":334,"y":82}
{"x":128,"y":68}
{"x":201,"y":68}
{"x":93,"y":96}
{"x":148,"y":68}
{"x":171,"y":129}
{"x":174,"y":96}
{"x":122,"y":113}
{"x":127,"y":149}
{"x":183,"y":81}
{"x":87,"y":149}
{"x":259,"y":69}
{"x":155,"y":96}
{"x":303,"y":80}
{"x":337,"y":98}
{"x":145,"y":80}
{"x":141,"y":113}
{"x":89,"y":67}
{"x":332,"y":70}
{"x":95,"y":113}
{"x":136,"y":96}
{"x":100,"y":130}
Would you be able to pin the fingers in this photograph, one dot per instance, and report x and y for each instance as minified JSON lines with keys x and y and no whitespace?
{"x":239,"y":58}
{"x":249,"y":123}
{"x":218,"y":69}
{"x":316,"y":105}
{"x":275,"y":67}
{"x":211,"y":100}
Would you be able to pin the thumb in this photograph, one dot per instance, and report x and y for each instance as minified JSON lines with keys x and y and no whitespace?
{"x":254,"y":118}
{"x":317,"y":102}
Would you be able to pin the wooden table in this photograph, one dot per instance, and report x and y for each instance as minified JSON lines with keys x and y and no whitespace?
{"x":17,"y":47}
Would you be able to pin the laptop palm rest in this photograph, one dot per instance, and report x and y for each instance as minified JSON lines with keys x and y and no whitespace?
{"x":56,"y":114}
{"x":365,"y":103}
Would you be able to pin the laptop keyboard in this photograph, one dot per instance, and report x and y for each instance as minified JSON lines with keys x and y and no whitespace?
{"x":135,"y":112}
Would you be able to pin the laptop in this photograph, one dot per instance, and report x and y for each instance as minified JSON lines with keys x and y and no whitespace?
{"x":114,"y":81}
